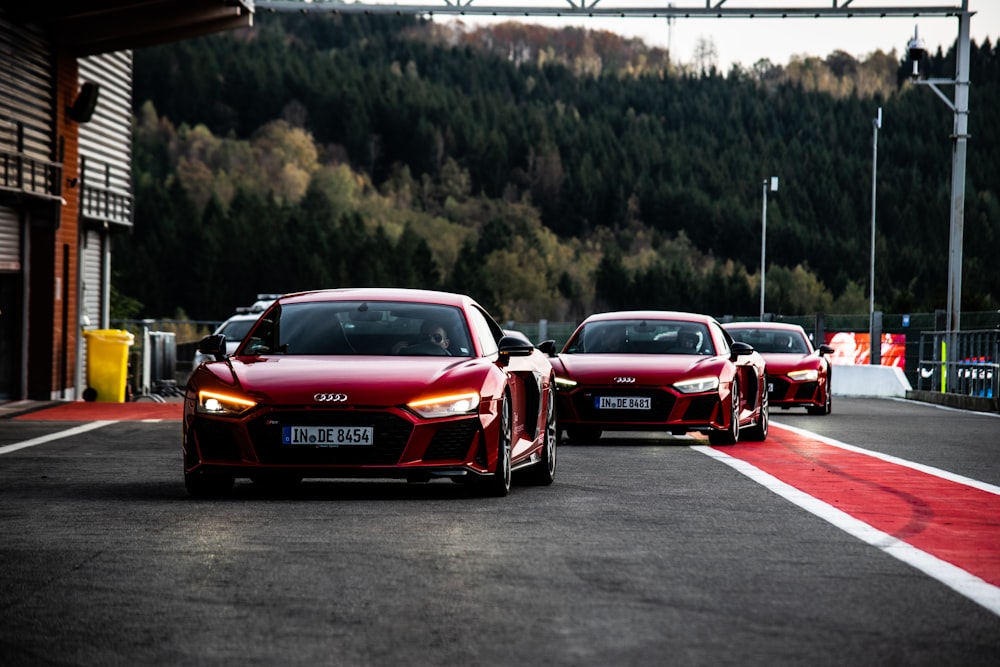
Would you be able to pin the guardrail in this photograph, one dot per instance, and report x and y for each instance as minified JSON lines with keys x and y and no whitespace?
{"x":973,"y":370}
{"x":970,"y":368}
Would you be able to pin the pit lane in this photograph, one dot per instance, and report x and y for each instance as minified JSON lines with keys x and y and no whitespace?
{"x":644,"y":551}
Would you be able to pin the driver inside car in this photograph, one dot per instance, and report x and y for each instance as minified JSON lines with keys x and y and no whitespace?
{"x":431,"y":333}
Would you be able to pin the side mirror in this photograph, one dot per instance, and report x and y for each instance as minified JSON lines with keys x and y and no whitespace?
{"x":515,"y":347}
{"x":741,"y":349}
{"x":825,"y":349}
{"x":548,"y":348}
{"x":511,"y":346}
{"x":214,"y":345}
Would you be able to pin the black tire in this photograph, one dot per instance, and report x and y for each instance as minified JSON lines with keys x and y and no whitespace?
{"x":732,"y":434}
{"x":497,"y":485}
{"x":543,"y":473}
{"x":758,"y":432}
{"x":206,"y":485}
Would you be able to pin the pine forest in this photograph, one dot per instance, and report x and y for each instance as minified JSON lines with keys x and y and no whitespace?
{"x":547,"y":173}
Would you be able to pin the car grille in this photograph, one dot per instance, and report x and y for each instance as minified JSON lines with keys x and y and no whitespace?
{"x":662,"y":402}
{"x":701,"y":409}
{"x":452,"y":441}
{"x":217,"y":440}
{"x":390,"y":436}
{"x":805,"y":391}
{"x":787,"y":391}
{"x":780,"y":391}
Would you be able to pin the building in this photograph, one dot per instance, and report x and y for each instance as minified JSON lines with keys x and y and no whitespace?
{"x":65,"y":170}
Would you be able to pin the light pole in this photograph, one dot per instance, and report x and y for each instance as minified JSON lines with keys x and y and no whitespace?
{"x":874,"y":333}
{"x":763,"y":237}
{"x":960,"y":138}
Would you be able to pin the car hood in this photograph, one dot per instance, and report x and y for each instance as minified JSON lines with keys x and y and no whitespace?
{"x":646,"y":369}
{"x":364,"y":380}
{"x":779,"y":363}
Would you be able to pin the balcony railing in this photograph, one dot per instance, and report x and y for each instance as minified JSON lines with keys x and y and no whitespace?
{"x":106,"y":204}
{"x":30,"y":176}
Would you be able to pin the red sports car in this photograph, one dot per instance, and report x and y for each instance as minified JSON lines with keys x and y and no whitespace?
{"x":798,"y":375}
{"x":663,"y":371}
{"x":382,"y":383}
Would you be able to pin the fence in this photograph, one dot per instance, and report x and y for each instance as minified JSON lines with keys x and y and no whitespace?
{"x":961,"y":362}
{"x":971,"y":370}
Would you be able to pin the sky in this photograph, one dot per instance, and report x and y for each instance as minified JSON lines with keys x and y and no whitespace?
{"x":745,"y":41}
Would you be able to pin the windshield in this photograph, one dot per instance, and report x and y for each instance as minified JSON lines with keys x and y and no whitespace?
{"x":641,"y":337}
{"x":356,"y":328}
{"x":771,"y":341}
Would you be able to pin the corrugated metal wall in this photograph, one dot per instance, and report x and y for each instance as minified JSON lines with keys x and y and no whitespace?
{"x":106,"y":140}
{"x":92,"y":264}
{"x":10,"y":239}
{"x":26,"y":90}
{"x":26,"y":120}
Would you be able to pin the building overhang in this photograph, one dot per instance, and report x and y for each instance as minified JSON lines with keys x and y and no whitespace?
{"x":90,"y":27}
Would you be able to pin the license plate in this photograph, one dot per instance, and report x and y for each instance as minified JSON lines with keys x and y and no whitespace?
{"x":622,"y":402}
{"x":328,"y":436}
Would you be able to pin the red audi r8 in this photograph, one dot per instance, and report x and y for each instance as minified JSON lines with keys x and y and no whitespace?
{"x":659,"y":370}
{"x":798,"y":374}
{"x":382,"y":383}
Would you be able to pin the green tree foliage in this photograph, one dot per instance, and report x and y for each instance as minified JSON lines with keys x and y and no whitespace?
{"x":546,"y":173}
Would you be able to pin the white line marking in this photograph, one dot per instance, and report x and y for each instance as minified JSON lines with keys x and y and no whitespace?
{"x":964,"y":583}
{"x":937,"y":472}
{"x":83,"y":428}
{"x":994,"y":415}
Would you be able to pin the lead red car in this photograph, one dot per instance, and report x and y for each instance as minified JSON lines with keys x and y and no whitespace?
{"x":388,"y":383}
{"x":660,"y":371}
{"x":798,"y":374}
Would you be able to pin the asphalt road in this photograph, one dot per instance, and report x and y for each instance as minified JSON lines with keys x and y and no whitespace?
{"x":645,"y":551}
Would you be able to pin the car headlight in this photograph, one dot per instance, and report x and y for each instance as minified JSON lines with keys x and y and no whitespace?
{"x":564,"y":384}
{"x":445,"y":406}
{"x":810,"y":375}
{"x":214,"y":403}
{"x":697,"y":385}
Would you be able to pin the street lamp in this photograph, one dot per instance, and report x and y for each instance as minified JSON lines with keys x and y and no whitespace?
{"x":874,"y":333}
{"x":960,"y":138}
{"x":763,"y":238}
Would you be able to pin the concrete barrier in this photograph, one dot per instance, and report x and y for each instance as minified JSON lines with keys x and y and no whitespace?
{"x":870,"y":381}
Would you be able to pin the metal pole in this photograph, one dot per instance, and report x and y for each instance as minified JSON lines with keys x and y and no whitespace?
{"x":763,"y":245}
{"x":875,"y":345}
{"x":960,"y":139}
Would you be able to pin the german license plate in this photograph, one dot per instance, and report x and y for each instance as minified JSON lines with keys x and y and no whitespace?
{"x":328,"y":436}
{"x":622,"y":402}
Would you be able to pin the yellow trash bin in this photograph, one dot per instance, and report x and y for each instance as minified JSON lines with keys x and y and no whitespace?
{"x":107,"y":364}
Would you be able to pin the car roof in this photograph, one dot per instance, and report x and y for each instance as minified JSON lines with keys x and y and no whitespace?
{"x":650,"y":315}
{"x":379,"y":294}
{"x":773,"y":326}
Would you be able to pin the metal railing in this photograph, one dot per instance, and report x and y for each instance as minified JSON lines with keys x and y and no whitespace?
{"x":971,"y":367}
{"x":28,"y":175}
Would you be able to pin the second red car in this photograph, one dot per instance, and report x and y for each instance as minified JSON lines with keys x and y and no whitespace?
{"x":659,"y":371}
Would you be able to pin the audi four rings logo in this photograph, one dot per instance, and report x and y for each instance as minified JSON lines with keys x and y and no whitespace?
{"x":624,"y":380}
{"x":330,"y":398}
